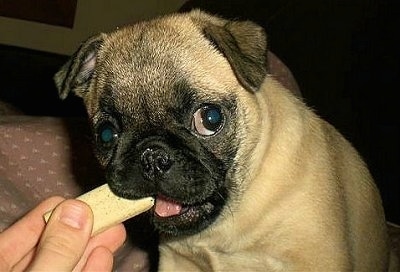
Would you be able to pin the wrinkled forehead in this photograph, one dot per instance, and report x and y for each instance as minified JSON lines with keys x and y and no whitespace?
{"x":154,"y":59}
{"x":135,"y":56}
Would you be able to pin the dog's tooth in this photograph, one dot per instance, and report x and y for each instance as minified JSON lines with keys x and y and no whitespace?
{"x":110,"y":209}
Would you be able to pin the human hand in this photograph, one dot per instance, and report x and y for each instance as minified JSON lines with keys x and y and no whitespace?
{"x":64,"y":244}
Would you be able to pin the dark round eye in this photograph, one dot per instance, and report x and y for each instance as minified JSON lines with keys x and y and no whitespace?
{"x":207,"y":120}
{"x":107,"y":133}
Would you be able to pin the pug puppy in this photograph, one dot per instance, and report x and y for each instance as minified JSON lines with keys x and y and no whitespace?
{"x":246,"y":177}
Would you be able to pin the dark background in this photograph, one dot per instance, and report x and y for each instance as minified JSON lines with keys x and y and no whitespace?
{"x":343,"y":54}
{"x":54,"y":12}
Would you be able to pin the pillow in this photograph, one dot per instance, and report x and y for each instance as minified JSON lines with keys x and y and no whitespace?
{"x":40,"y":157}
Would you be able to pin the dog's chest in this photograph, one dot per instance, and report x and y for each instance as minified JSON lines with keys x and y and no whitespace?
{"x":183,"y":258}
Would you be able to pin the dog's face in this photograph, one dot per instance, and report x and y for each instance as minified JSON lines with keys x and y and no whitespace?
{"x":173,"y":108}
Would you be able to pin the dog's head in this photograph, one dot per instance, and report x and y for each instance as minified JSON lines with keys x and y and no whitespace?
{"x":172,"y":104}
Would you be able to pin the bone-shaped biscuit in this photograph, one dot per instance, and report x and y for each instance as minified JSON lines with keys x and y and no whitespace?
{"x":109,"y":209}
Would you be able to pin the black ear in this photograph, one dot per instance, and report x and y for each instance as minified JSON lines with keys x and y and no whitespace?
{"x":244,"y":44}
{"x":77,"y":72}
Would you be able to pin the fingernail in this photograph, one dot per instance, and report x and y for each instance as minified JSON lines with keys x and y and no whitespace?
{"x":73,"y":215}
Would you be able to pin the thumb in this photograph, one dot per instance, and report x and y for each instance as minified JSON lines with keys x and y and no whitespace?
{"x":65,"y":237}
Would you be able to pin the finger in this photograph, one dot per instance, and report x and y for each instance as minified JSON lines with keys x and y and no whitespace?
{"x":22,"y":237}
{"x":65,"y":238}
{"x":112,"y":239}
{"x":24,"y":263}
{"x":101,"y":259}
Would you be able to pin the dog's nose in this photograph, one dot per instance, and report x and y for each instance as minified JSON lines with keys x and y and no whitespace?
{"x":155,"y":161}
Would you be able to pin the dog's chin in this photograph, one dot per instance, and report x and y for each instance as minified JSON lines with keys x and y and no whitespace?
{"x":176,"y":219}
{"x":173,"y":218}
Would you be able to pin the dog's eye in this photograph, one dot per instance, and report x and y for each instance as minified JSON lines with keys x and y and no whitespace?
{"x":207,"y":120}
{"x":107,"y":133}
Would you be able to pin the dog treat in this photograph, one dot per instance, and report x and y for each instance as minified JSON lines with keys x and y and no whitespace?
{"x":109,"y":209}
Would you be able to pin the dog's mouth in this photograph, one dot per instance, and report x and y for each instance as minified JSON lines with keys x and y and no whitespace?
{"x":174,"y":218}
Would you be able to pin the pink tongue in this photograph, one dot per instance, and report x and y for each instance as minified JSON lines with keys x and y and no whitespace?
{"x":166,"y":208}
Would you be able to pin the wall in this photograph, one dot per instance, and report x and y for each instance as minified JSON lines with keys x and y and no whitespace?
{"x":92,"y":16}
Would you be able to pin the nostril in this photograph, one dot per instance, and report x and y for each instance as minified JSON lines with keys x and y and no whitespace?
{"x":162,"y":161}
{"x":147,"y":161}
{"x":155,"y":160}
